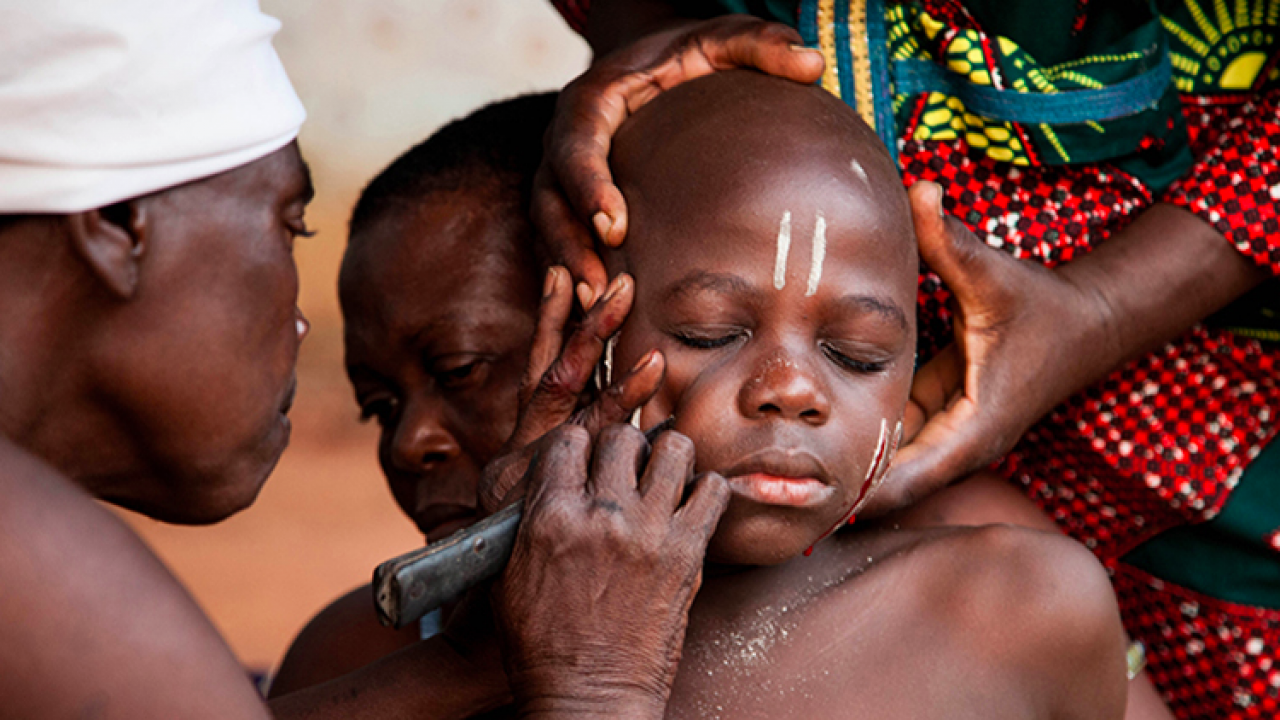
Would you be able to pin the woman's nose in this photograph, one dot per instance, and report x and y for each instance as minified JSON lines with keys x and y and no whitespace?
{"x":421,"y":441}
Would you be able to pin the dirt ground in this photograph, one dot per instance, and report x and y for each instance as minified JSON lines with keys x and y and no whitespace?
{"x":376,"y":77}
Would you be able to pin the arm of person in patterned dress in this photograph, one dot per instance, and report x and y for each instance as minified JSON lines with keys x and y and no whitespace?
{"x":574,"y":190}
{"x":1027,"y":337}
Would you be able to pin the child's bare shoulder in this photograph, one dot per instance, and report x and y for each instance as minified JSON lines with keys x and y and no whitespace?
{"x":998,"y":619}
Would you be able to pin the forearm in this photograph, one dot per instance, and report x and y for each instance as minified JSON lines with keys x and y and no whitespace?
{"x":612,"y":24}
{"x":1162,"y":274}
{"x":430,"y":680}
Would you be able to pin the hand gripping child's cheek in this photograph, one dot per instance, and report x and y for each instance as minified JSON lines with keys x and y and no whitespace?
{"x":779,"y":282}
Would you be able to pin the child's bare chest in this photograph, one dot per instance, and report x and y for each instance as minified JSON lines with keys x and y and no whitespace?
{"x":854,"y":643}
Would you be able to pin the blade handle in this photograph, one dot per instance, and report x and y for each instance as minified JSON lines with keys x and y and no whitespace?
{"x":407,"y":587}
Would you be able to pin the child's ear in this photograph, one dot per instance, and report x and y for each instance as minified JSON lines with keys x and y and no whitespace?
{"x":111,"y":241}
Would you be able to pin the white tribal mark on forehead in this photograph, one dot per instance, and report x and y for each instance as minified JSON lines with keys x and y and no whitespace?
{"x":819,"y":255}
{"x":858,"y":171}
{"x":784,"y":247}
{"x":817,"y":258}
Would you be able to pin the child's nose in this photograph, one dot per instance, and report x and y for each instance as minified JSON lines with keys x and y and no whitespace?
{"x":784,"y":388}
{"x":421,"y":441}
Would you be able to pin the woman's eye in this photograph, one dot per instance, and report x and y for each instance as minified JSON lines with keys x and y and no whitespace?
{"x":708,"y":340}
{"x":463,"y":375}
{"x":847,"y":361}
{"x":383,"y":409}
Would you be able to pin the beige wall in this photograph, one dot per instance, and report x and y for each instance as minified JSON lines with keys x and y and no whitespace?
{"x":376,"y":76}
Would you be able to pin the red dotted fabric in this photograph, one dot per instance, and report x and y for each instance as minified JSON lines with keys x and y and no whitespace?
{"x":1210,"y":659}
{"x":1162,"y":441}
{"x":1235,"y":183}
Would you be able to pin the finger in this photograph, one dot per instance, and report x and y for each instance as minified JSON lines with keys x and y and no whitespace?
{"x":621,"y":399}
{"x":559,"y":467}
{"x":588,"y":114}
{"x":950,"y":446}
{"x":669,"y":469}
{"x":555,"y":398}
{"x":939,"y":381}
{"x":557,"y":304}
{"x":771,"y":48}
{"x":619,"y":452}
{"x":502,"y":480}
{"x":966,"y":265}
{"x":564,"y":238}
{"x":700,"y":514}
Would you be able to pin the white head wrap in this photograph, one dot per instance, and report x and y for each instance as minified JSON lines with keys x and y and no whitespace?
{"x":106,"y":100}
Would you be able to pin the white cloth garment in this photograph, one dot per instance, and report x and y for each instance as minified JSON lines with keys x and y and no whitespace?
{"x":106,"y":100}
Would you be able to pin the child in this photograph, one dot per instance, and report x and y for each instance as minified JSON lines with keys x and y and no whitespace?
{"x":774,"y":268}
{"x":439,"y":291}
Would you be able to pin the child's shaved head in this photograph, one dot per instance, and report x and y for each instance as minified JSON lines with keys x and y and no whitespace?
{"x":775,"y":268}
{"x":739,"y":137}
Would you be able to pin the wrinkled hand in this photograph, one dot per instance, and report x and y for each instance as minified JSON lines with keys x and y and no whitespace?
{"x":574,"y":189}
{"x":1026,"y":338}
{"x":557,"y":376}
{"x":594,"y":603}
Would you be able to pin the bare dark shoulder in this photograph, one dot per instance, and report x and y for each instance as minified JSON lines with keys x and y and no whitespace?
{"x":1035,"y":606}
{"x":999,"y":620}
{"x":343,"y":637}
{"x":91,"y":622}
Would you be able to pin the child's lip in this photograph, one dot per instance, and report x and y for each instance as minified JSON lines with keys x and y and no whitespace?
{"x":776,"y":490}
{"x":781,"y":477}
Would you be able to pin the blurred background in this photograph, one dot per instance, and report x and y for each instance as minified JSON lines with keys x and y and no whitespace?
{"x":376,"y":76}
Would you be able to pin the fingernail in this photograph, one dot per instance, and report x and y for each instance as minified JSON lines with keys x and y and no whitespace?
{"x":585,"y":297}
{"x":644,"y":360}
{"x":603,"y":224}
{"x":804,"y":48}
{"x":549,"y":285}
{"x":613,"y":288}
{"x":942,"y":213}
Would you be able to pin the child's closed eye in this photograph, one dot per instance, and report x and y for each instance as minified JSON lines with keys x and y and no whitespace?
{"x":709,"y":338}
{"x":861,"y":362}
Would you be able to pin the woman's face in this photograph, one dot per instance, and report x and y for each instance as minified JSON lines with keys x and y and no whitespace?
{"x":787,"y":320}
{"x":440,"y":305}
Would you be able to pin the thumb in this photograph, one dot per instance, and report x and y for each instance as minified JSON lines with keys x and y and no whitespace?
{"x":966,"y":265}
{"x":951,"y":445}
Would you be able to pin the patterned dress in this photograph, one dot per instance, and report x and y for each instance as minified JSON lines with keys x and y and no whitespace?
{"x":1051,"y":125}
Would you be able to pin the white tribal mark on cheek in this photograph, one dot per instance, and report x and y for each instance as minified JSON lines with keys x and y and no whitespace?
{"x":784,"y":247}
{"x":819,"y":255}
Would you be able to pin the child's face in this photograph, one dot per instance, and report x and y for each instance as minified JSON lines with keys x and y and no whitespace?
{"x":783,"y":376}
{"x":440,"y":310}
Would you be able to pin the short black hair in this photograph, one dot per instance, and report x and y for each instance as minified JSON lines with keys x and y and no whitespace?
{"x":499,"y":145}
